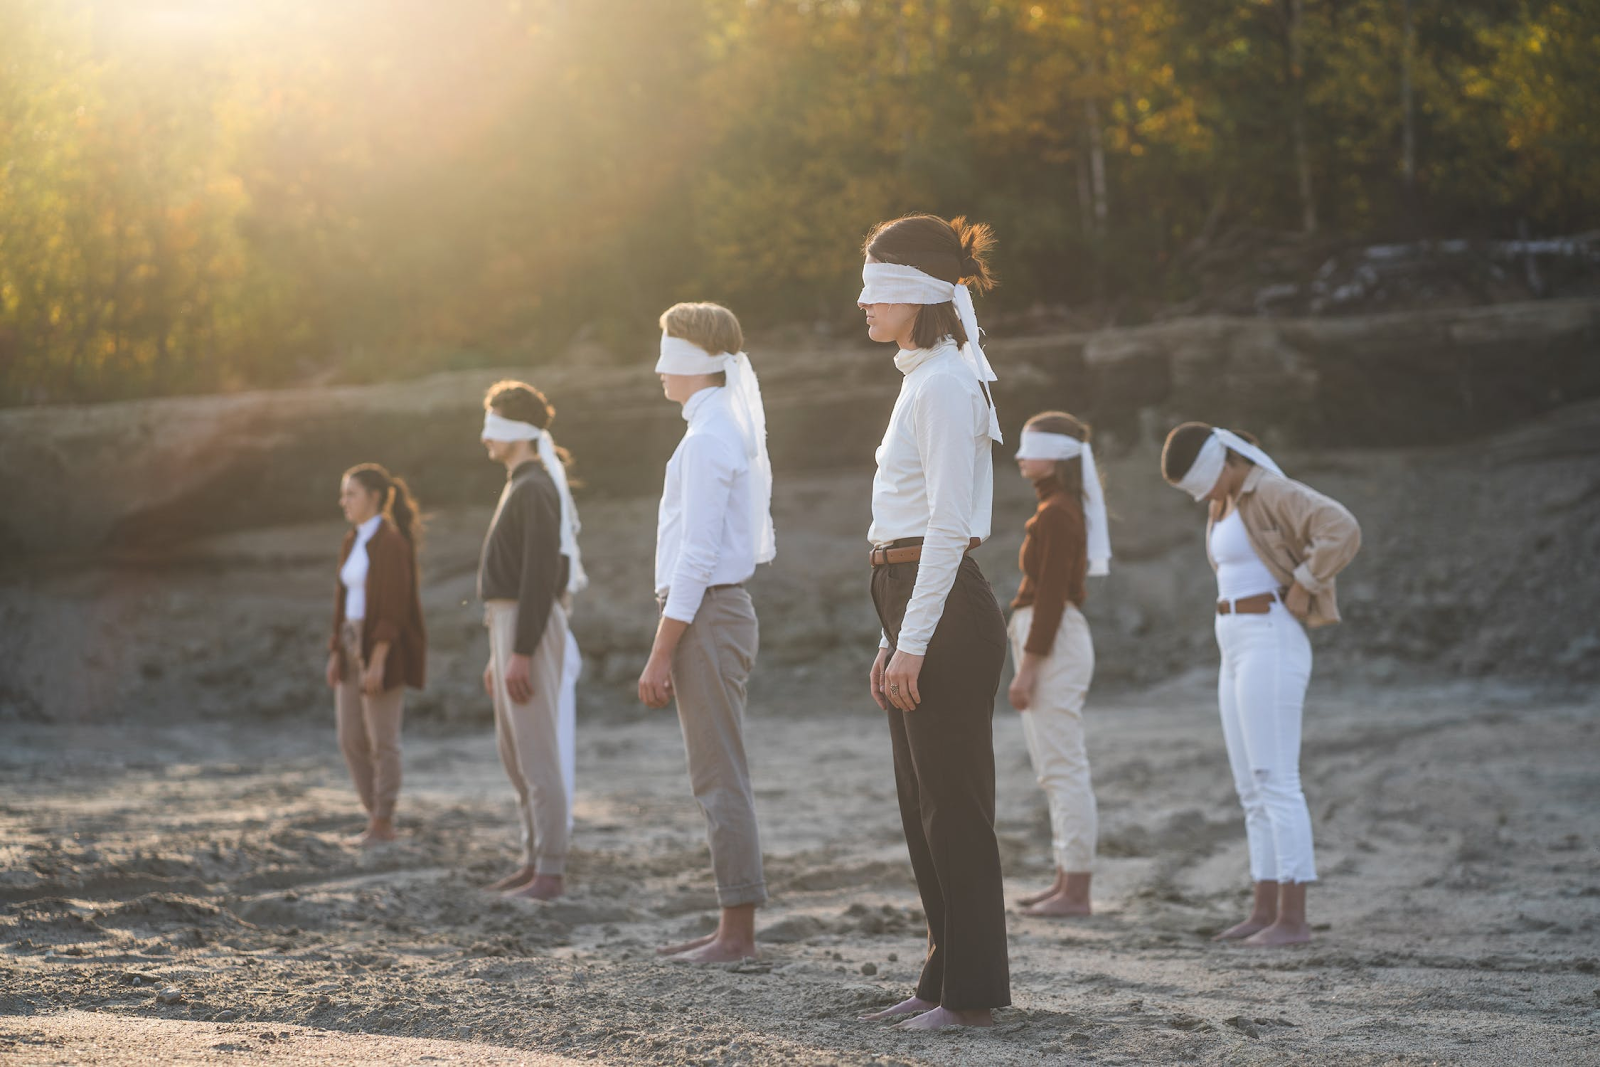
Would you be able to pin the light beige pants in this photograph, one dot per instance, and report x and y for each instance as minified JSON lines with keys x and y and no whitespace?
{"x":369,"y":731}
{"x":1053,"y":727}
{"x":528,"y":735}
{"x":709,"y":671}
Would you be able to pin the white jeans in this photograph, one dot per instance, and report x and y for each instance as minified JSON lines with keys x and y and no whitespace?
{"x":1053,"y":727}
{"x":1261,"y":690}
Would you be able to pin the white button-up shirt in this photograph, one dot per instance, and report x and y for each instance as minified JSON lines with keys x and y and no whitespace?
{"x":703,"y":531}
{"x":935,"y":478}
{"x":354,"y":572}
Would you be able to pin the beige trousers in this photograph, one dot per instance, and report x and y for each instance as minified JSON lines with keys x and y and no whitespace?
{"x":369,"y":731}
{"x":1053,"y":727}
{"x":709,"y":671}
{"x":528,"y":735}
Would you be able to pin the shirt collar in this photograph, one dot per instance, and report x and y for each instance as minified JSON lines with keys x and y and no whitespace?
{"x":909,"y":359}
{"x":695,"y":404}
{"x":1252,"y":479}
{"x":365,"y":531}
{"x":523,"y":468}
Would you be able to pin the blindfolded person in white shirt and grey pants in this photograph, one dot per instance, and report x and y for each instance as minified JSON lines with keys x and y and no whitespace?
{"x":714,"y":527}
{"x":943,"y":648}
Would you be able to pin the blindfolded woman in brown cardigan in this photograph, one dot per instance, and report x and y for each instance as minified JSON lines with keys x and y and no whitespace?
{"x":378,"y":645}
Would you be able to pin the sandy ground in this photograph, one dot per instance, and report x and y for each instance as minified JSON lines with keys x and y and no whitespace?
{"x":207,"y":865}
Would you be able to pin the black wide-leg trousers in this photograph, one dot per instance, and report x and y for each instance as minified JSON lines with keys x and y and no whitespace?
{"x":944,"y":773}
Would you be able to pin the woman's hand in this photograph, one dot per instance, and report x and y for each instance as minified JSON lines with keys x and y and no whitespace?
{"x":655,"y":682}
{"x":519,"y":678}
{"x":900,"y":680}
{"x":335,"y":673}
{"x":1021,"y":691}
{"x":372,"y":679}
{"x":875,"y":681}
{"x":1298,"y":601}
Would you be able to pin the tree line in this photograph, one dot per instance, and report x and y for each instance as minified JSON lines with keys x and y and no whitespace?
{"x":200,"y":197}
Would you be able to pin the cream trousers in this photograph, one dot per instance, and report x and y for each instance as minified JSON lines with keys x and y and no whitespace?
{"x":529,"y":735}
{"x":1053,"y":727}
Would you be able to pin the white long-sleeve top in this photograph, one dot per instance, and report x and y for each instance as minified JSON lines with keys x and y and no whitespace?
{"x":353,"y":574}
{"x":935,"y":478}
{"x":703,"y":530}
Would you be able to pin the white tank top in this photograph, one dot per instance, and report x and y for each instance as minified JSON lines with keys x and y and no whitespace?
{"x":1240,"y":572}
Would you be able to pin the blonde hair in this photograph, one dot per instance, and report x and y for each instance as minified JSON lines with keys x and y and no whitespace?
{"x":711,"y":326}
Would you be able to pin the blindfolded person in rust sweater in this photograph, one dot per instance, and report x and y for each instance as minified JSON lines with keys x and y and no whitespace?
{"x":378,"y":645}
{"x":1067,"y":540}
{"x":528,"y":570}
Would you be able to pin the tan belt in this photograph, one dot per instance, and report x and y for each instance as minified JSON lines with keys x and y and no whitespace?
{"x":882,"y":557}
{"x":1260,"y":604}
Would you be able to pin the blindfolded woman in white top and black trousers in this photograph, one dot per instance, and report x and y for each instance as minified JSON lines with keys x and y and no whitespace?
{"x":938,"y":668}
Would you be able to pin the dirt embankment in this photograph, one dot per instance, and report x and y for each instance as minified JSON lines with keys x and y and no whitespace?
{"x":223,"y":509}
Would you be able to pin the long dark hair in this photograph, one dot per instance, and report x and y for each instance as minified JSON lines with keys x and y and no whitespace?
{"x":954,"y":251}
{"x":395,"y":500}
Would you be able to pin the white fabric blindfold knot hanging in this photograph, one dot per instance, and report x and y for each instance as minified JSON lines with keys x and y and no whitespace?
{"x":679,"y":356}
{"x":500,"y":428}
{"x":1038,"y":444}
{"x":897,"y":283}
{"x":1213,"y":456}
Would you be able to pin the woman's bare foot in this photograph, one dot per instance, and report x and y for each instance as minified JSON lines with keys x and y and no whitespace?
{"x":943,"y":1018}
{"x":912,"y":1005}
{"x":1263,"y":913}
{"x":515,"y":880}
{"x":734,"y":940}
{"x":1055,"y":887}
{"x":378,"y":832}
{"x":721,"y":948}
{"x":1059,"y":906}
{"x":1239,"y":931}
{"x":541,"y":887}
{"x":685,"y":946}
{"x":1280,"y":934}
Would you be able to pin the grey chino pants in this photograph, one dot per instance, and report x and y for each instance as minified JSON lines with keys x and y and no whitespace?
{"x":709,"y":671}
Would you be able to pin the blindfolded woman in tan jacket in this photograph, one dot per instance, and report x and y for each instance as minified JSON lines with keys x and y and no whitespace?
{"x":1276,"y":546}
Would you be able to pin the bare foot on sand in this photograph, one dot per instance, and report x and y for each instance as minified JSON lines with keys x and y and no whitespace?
{"x":542,"y":887}
{"x":944,"y":1018}
{"x":1240,"y":931}
{"x":910,"y":1006}
{"x":515,"y":880}
{"x":1044,"y":894}
{"x":1059,"y":906}
{"x":685,"y":946}
{"x":1280,"y":934}
{"x":719,"y":949}
{"x":378,"y":832}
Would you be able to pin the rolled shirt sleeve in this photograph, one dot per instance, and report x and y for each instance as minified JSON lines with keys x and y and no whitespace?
{"x":709,"y":468}
{"x":948,"y":421}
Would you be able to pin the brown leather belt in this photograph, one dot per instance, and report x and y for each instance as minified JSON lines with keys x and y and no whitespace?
{"x":898,"y":553}
{"x":1259,"y":604}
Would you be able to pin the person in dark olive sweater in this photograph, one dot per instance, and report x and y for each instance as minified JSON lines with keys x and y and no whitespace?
{"x":524,"y":575}
{"x":1065,"y":542}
